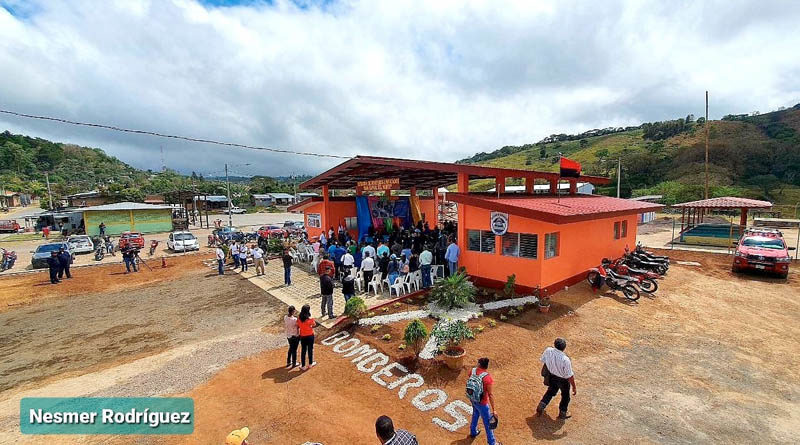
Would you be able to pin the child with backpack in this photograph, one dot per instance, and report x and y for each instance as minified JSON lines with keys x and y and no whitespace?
{"x":479,"y":393}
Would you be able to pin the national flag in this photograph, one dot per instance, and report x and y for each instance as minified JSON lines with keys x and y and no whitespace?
{"x":570,"y":168}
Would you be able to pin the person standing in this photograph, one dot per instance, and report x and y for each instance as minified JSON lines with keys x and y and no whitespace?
{"x":64,"y":260}
{"x":326,"y":290}
{"x":287,"y":267}
{"x":382,"y":249}
{"x":258,"y":259}
{"x":110,"y":246}
{"x":326,"y":267}
{"x":102,"y":229}
{"x":425,"y":261}
{"x":451,"y":256}
{"x":384,"y":429}
{"x":347,"y":263}
{"x":53,"y":266}
{"x":46,"y":232}
{"x":243,"y":252}
{"x":479,"y":390}
{"x":367,"y":268}
{"x":235,"y":254}
{"x":561,"y":377}
{"x":348,"y":287}
{"x":292,"y":336}
{"x":305,"y":325}
{"x":368,"y":249}
{"x":323,"y":241}
{"x":383,"y":265}
{"x":129,"y":258}
{"x":220,"y":255}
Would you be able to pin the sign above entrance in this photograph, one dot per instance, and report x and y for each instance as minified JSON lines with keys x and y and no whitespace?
{"x":377,"y":185}
{"x":499,"y":223}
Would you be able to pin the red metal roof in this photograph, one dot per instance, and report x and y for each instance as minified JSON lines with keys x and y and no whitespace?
{"x":420,"y":174}
{"x":570,"y":208}
{"x":728,"y":202}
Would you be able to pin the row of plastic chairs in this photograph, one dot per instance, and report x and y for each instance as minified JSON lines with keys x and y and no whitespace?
{"x":402,"y":284}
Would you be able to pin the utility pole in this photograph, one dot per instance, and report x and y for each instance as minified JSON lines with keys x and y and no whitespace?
{"x":707,"y":125}
{"x":49,"y":195}
{"x":228,"y":185}
{"x":619,"y":173}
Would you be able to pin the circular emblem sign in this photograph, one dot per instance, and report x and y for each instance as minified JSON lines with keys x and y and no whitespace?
{"x":499,"y":223}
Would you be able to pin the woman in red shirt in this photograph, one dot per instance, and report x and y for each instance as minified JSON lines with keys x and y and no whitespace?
{"x":306,"y":324}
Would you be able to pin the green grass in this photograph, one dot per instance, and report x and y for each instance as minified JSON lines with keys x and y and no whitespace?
{"x":16,"y":237}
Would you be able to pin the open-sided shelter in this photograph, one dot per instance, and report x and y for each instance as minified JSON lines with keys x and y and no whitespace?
{"x":546,"y":240}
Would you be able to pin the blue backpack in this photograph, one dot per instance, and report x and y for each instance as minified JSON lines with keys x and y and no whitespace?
{"x":475,"y":386}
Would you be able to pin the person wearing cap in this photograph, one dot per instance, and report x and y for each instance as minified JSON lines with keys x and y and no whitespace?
{"x":53,"y":265}
{"x":384,"y":429}
{"x":481,"y":410}
{"x":238,"y":437}
{"x":561,"y":378}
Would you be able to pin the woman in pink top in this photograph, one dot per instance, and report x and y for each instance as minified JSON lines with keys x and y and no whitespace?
{"x":292,"y":334}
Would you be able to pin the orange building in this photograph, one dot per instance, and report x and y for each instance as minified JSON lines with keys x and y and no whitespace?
{"x":545,"y":240}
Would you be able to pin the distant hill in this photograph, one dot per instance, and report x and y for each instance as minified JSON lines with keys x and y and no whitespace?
{"x":749,"y":155}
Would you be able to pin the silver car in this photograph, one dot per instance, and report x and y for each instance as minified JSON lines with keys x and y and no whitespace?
{"x":182,"y":241}
{"x":80,"y":244}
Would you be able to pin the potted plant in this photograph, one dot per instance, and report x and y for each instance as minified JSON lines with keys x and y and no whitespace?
{"x":355,"y":309}
{"x":544,"y":300}
{"x":453,"y":291}
{"x":449,"y":334}
{"x":510,"y":289}
{"x":415,"y":335}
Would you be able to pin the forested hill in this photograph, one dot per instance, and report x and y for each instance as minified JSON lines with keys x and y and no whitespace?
{"x":73,"y":169}
{"x":754,"y":155}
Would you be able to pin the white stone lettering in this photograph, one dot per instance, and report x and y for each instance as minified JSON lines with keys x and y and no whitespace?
{"x":419,"y":400}
{"x":387,"y":372}
{"x":361,"y":352}
{"x":417,"y":382}
{"x":377,"y":360}
{"x":453,"y":408}
{"x":333,"y":339}
{"x":343,"y":346}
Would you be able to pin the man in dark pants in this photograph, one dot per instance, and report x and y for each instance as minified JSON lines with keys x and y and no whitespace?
{"x":561,"y":378}
{"x":54,"y":266}
{"x":64,"y":260}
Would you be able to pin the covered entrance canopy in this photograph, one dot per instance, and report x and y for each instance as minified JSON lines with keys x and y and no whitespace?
{"x":694,"y":212}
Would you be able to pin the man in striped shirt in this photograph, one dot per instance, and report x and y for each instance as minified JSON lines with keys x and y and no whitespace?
{"x":384,"y":429}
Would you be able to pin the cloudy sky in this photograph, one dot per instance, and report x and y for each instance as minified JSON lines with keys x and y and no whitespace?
{"x":435,"y":80}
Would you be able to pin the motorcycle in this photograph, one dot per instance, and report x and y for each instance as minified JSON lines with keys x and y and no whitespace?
{"x":153,"y":245}
{"x":602,"y":275}
{"x":640,"y":262}
{"x":99,"y":252}
{"x":650,"y":255}
{"x":647,"y":279}
{"x":8,"y":259}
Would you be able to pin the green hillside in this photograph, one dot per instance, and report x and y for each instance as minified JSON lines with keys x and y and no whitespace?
{"x":754,"y":156}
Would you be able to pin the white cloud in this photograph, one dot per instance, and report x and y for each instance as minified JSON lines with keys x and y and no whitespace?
{"x":429,"y":80}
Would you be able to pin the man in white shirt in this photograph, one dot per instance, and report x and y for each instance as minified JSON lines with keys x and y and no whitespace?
{"x":347,"y":262}
{"x":258,"y":259}
{"x":220,"y":255}
{"x":243,"y":252}
{"x":368,"y":249}
{"x":561,"y":378}
{"x":235,"y":254}
{"x":425,"y":260}
{"x":368,"y":268}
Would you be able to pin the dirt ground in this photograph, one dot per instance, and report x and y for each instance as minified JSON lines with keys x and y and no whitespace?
{"x":49,"y":330}
{"x":712,"y":358}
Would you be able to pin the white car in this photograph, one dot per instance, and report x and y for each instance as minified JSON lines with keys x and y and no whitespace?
{"x":80,"y":244}
{"x":236,"y":210}
{"x":182,"y":241}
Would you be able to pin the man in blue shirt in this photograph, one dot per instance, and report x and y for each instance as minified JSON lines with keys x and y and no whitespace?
{"x":451,"y":256}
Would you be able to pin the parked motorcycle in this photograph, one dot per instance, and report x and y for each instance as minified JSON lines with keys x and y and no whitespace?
{"x":602,"y":275}
{"x":640,"y":262}
{"x":650,"y":255}
{"x":646,"y":278}
{"x":8,"y":259}
{"x":99,"y":252}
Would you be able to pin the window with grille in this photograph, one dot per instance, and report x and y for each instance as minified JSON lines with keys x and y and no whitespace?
{"x":551,"y":245}
{"x":616,"y":230}
{"x":480,"y":241}
{"x":624,"y":228}
{"x":523,"y":245}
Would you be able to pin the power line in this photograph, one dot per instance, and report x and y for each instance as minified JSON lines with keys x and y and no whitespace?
{"x":170,"y":136}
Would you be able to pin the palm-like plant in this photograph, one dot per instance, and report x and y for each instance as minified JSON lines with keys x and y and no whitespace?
{"x":454,"y":291}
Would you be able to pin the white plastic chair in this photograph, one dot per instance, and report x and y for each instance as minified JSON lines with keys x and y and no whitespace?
{"x":375,"y":285}
{"x":433,"y":275}
{"x":359,"y":279}
{"x":385,"y":281}
{"x":416,"y":278}
{"x":398,"y":286}
{"x":315,"y":262}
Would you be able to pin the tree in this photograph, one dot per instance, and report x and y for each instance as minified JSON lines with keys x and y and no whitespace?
{"x":583,"y":143}
{"x":415,"y":335}
{"x":689,"y":118}
{"x":542,"y":153}
{"x":767,"y":183}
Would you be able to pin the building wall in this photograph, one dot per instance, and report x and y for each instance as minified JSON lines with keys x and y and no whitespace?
{"x":118,"y":221}
{"x":339,"y":210}
{"x":90,"y":201}
{"x":582,"y":246}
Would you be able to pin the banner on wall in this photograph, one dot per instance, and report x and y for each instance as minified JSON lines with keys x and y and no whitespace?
{"x":314,"y":220}
{"x":377,"y":185}
{"x":388,"y":214}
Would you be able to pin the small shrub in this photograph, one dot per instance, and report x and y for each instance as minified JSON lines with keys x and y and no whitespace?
{"x":512,"y":312}
{"x":509,"y":289}
{"x":503,"y":317}
{"x":398,"y":304}
{"x":386,"y":309}
{"x":355,"y":308}
{"x":402,"y":347}
{"x":454,"y":291}
{"x":520,"y":308}
{"x":409,"y":301}
{"x":375,"y":328}
{"x":370,"y":314}
{"x":492,"y":323}
{"x":387,"y":337}
{"x":480,"y":328}
{"x":451,"y":334}
{"x":415,"y":335}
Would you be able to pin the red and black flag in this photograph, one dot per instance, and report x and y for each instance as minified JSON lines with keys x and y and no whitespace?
{"x":570,"y":168}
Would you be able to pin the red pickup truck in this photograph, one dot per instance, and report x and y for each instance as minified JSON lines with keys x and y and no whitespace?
{"x":9,"y":225}
{"x":132,"y":239}
{"x":764,"y":250}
